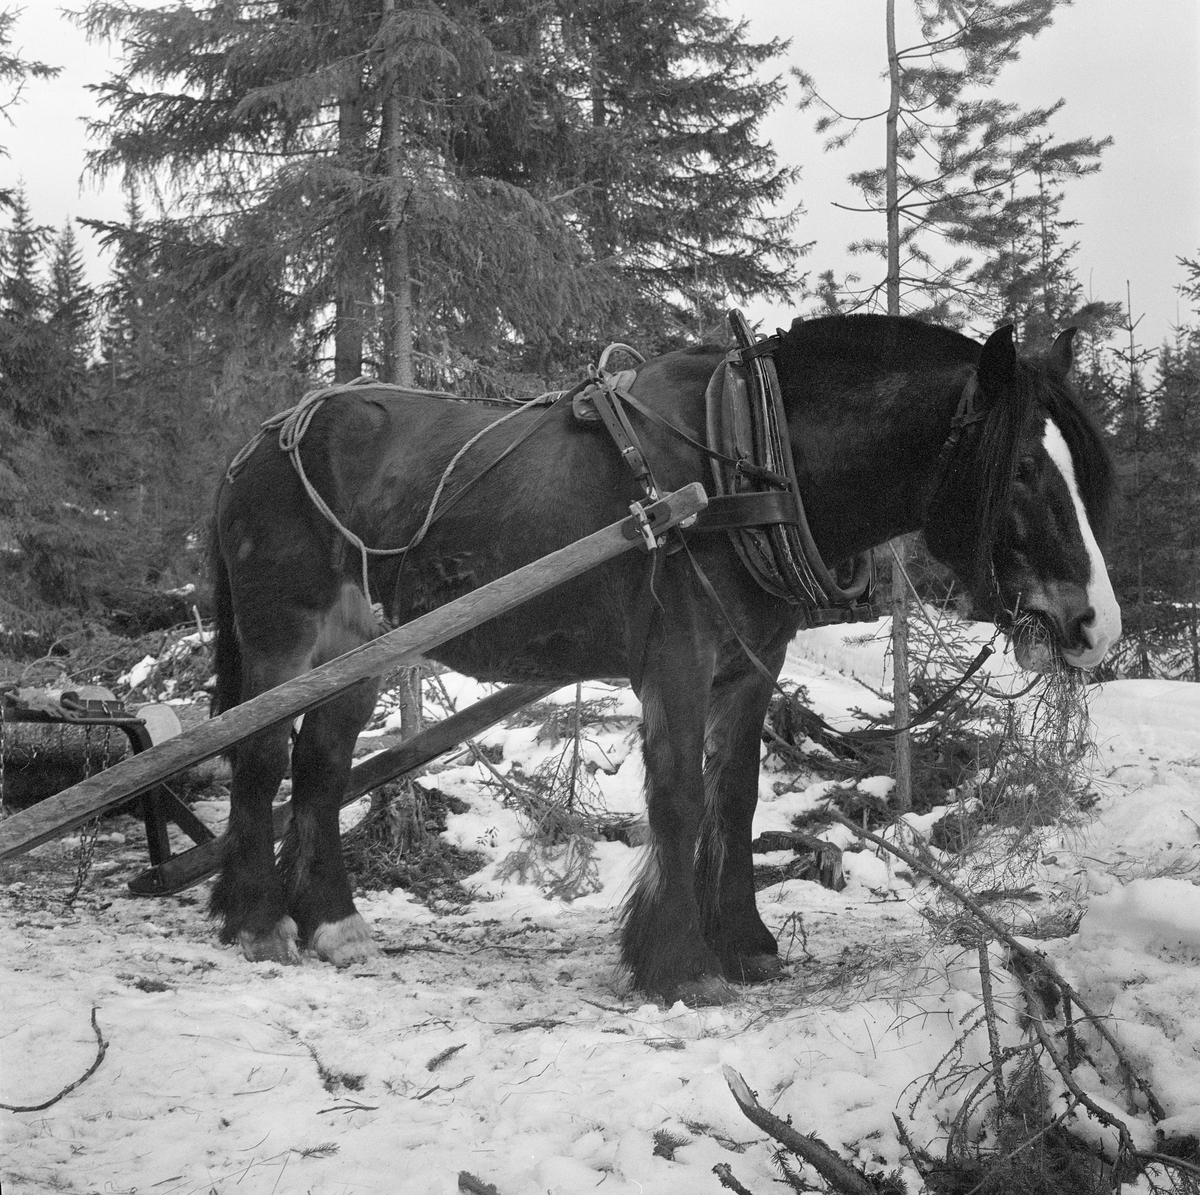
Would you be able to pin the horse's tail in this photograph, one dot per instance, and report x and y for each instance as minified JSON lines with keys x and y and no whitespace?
{"x":227,"y":651}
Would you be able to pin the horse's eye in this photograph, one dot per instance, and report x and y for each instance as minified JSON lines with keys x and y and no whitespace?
{"x":1026,"y":469}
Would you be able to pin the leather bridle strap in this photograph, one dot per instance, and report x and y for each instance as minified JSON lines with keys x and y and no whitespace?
{"x":748,"y":468}
{"x":965,"y":416}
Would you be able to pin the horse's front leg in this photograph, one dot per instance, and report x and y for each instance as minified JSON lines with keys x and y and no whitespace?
{"x":663,"y":942}
{"x":724,"y":865}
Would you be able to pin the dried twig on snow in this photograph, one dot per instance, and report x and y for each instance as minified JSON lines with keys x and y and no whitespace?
{"x":101,"y":1050}
{"x":831,"y":1166}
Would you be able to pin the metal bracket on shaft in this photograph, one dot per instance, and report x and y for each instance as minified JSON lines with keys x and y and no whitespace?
{"x":642,"y":524}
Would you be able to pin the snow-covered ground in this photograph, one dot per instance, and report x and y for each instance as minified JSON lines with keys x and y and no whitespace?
{"x":503,"y":1041}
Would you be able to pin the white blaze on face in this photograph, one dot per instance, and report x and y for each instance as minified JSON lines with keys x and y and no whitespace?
{"x":1105,"y":628}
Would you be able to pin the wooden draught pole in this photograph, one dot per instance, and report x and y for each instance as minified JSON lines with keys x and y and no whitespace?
{"x":397,"y":649}
{"x":191,"y":866}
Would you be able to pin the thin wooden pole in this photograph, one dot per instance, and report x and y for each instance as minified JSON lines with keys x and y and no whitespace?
{"x":901,"y":701}
{"x":403,"y":646}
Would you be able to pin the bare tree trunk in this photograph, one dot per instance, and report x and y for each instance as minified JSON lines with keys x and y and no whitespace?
{"x":900,"y":686}
{"x":350,"y":296}
{"x":1135,"y":403}
{"x":398,"y":316}
{"x":892,"y":210}
{"x":398,"y":335}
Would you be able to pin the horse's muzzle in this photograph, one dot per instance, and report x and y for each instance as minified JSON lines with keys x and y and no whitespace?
{"x":1063,"y":623}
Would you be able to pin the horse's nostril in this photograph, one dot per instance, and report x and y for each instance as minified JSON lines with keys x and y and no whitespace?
{"x":1085,"y":624}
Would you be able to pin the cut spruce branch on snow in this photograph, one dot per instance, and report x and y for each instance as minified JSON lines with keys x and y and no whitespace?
{"x":1037,"y":975}
{"x":475,"y":1186}
{"x":531,"y":985}
{"x":1033,"y":958}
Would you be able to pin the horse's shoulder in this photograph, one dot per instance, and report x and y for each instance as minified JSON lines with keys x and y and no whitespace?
{"x":683,"y":367}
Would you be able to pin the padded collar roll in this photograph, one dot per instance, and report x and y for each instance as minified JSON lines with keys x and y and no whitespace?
{"x":747,"y":423}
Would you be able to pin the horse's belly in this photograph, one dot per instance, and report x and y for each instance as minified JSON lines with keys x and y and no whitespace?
{"x":571,"y":632}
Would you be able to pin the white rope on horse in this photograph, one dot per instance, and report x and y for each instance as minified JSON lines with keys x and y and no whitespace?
{"x":294,"y":423}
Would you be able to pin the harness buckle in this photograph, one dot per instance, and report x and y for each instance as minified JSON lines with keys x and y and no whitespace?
{"x":642,"y":525}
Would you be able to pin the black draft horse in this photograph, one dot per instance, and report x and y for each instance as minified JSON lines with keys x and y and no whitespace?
{"x":1014,"y":511}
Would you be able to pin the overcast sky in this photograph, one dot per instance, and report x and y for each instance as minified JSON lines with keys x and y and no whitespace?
{"x":1127,"y":69}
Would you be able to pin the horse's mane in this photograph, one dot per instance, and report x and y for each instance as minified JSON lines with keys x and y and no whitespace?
{"x":881,"y":339}
{"x":984,"y":468}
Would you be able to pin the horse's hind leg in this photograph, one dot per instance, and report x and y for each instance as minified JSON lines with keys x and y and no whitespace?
{"x":315,"y":883}
{"x":724,"y":864}
{"x":263,"y":910}
{"x":314,"y":871}
{"x":248,"y":897}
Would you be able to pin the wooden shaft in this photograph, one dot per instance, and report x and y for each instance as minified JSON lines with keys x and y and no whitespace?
{"x":403,"y":646}
{"x":191,"y":866}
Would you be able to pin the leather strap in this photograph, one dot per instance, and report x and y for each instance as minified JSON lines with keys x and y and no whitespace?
{"x":616,"y":422}
{"x":728,"y":512}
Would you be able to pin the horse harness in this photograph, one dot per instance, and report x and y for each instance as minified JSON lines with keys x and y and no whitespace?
{"x":757,"y":499}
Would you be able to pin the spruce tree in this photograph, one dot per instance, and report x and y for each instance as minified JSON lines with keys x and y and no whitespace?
{"x":668,"y":175}
{"x":52,"y":540}
{"x":970,"y":167}
{"x":267,"y":119}
{"x":1176,"y":513}
{"x":1026,"y":277}
{"x":70,"y":300}
{"x":15,"y":71}
{"x":507,"y":184}
{"x":955,"y":166}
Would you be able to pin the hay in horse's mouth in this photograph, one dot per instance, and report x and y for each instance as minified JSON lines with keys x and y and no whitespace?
{"x":1035,"y":642}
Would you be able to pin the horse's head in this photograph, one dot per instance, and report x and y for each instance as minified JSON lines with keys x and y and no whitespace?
{"x":1039,"y":480}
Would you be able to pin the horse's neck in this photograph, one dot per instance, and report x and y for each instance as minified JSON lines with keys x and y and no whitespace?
{"x":868,"y":454}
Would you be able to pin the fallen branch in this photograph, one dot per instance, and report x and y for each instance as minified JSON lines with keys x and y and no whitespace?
{"x":725,"y":1175}
{"x":989,"y":1012}
{"x":539,"y":1023}
{"x":831,"y":1166}
{"x":1038,"y":961}
{"x":474,"y":748}
{"x":1033,"y":1007}
{"x":101,"y":1050}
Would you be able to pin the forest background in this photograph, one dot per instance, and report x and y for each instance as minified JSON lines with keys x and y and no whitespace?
{"x":477,"y":196}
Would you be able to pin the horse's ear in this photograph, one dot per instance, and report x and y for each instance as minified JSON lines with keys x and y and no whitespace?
{"x":1061,"y":356}
{"x":998,"y":361}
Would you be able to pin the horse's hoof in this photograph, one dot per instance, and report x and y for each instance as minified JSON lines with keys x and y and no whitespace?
{"x":344,"y":943}
{"x":278,"y":946}
{"x":705,"y":992}
{"x":755,"y":968}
